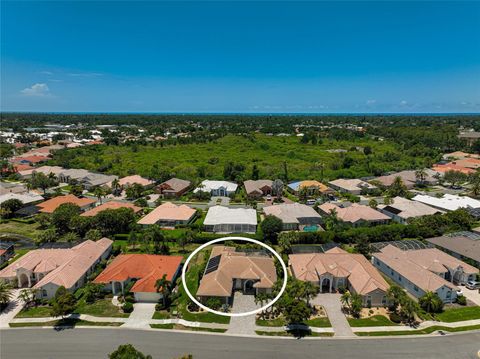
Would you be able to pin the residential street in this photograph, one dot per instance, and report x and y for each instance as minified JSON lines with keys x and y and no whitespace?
{"x":97,"y":343}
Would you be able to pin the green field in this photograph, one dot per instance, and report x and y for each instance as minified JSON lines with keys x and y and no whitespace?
{"x":373,"y":321}
{"x":30,"y":230}
{"x":458,"y":314}
{"x":196,"y":161}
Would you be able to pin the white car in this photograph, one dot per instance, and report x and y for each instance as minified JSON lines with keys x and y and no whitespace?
{"x":459,"y":293}
{"x":472,"y":284}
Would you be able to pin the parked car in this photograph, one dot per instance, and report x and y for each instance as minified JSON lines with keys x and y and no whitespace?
{"x":459,"y":293}
{"x":310,"y":202}
{"x":471,"y":284}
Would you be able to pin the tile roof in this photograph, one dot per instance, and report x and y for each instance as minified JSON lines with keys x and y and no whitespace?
{"x":169,"y":212}
{"x":208,"y":186}
{"x":175,"y":185}
{"x":351,"y":184}
{"x":298,"y":185}
{"x":418,"y":265}
{"x":62,"y":266}
{"x":110,"y":205}
{"x":52,"y":204}
{"x":147,"y":268}
{"x":354,"y":213}
{"x":361,"y":274}
{"x":406,"y":208}
{"x":25,"y":198}
{"x":291,"y":212}
{"x":452,"y":167}
{"x":256,"y":186}
{"x":449,"y":202}
{"x":236,"y":265}
{"x":465,"y":246}
{"x":129,"y":180}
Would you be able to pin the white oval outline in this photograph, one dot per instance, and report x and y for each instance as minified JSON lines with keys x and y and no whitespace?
{"x":223,"y":239}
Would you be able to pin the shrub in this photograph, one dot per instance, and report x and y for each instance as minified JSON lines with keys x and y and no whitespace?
{"x":462,"y":300}
{"x":127,"y":307}
{"x":394,"y":317}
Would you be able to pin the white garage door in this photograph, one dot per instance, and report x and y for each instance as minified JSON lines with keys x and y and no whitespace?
{"x":147,"y":297}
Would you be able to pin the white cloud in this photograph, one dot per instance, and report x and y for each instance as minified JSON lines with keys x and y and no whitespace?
{"x":36,"y":90}
{"x":403,"y":102}
{"x":371,"y":102}
{"x":85,"y":74}
{"x":46,"y":73}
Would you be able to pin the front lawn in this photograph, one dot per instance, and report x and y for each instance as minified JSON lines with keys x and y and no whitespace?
{"x":277,"y":322}
{"x":458,"y":314}
{"x":68,"y":322}
{"x":373,"y":321}
{"x":30,"y":230}
{"x":321,"y":322}
{"x":35,"y":312}
{"x":428,"y":330}
{"x":161,"y":315}
{"x":100,"y":308}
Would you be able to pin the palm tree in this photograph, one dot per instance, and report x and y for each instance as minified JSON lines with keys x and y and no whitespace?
{"x":310,"y":291}
{"x":431,"y":302}
{"x":99,"y":193}
{"x":6,"y":293}
{"x":421,"y":175}
{"x":396,"y":295}
{"x":116,"y":186}
{"x":163,"y":287}
{"x":345,"y":299}
{"x":409,"y":309}
{"x":331,"y":221}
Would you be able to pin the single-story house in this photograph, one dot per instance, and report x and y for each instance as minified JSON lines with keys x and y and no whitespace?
{"x":49,"y":269}
{"x":461,"y":245}
{"x":355,"y":214}
{"x":49,"y":206}
{"x":31,"y":160}
{"x":46,"y":170}
{"x":228,"y":271}
{"x":336,"y":269}
{"x":409,"y":178}
{"x":402,"y":209}
{"x":144,"y":269}
{"x":449,"y":202}
{"x":169,"y":215}
{"x":26,"y":198}
{"x":135,"y":179}
{"x":174,"y":187}
{"x":452,"y":166}
{"x":221,"y":219}
{"x":110,"y":205}
{"x":423,"y":270}
{"x":311,"y":186}
{"x":73,"y":174}
{"x":258,"y":188}
{"x":9,"y":187}
{"x":352,"y":186}
{"x":295,"y":216}
{"x":217,"y":188}
{"x":469,"y":136}
{"x":459,"y":155}
{"x":96,"y":179}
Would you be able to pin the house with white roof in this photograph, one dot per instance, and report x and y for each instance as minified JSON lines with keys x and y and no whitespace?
{"x":217,"y":188}
{"x":25,"y":198}
{"x":449,"y":202}
{"x":221,"y":219}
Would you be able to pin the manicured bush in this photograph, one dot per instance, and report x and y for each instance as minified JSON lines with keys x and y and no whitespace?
{"x":127,"y":307}
{"x":462,"y":300}
{"x":394,"y":317}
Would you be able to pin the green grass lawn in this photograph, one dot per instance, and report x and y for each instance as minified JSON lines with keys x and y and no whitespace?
{"x":30,"y":230}
{"x":100,"y":308}
{"x":459,"y":314}
{"x":289,"y":334}
{"x":373,"y":321}
{"x":277,"y":322}
{"x":35,"y":312}
{"x":323,"y":322}
{"x":181,"y":327}
{"x":161,"y":315}
{"x":428,"y":330}
{"x":65,"y":322}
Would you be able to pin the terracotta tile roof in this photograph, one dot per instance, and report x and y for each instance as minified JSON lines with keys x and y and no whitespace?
{"x":452,"y":167}
{"x":31,"y":159}
{"x":147,"y":268}
{"x":256,"y":186}
{"x":174,"y":185}
{"x":417,"y":266}
{"x":361,"y":274}
{"x":355,"y":213}
{"x":61,"y":266}
{"x":52,"y":204}
{"x":110,"y":205}
{"x":169,"y":212}
{"x":351,"y":184}
{"x":129,"y":180}
{"x":236,"y":265}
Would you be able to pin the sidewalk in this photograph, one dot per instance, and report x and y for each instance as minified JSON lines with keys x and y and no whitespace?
{"x":423,"y":325}
{"x":13,"y":308}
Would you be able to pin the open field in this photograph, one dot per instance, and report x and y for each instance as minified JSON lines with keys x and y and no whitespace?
{"x":207,"y":160}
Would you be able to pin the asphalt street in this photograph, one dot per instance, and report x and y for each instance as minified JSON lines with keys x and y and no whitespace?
{"x":97,"y":343}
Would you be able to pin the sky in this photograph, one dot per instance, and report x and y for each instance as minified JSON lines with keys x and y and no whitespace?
{"x":255,"y":57}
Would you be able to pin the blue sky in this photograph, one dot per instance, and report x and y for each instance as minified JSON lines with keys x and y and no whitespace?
{"x":323,"y":57}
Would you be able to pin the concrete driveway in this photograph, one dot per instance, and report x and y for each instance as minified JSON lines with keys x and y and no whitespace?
{"x":472,"y":295}
{"x":139,"y":318}
{"x":246,"y":324}
{"x":13,"y":308}
{"x":333,"y":306}
{"x":223,"y":201}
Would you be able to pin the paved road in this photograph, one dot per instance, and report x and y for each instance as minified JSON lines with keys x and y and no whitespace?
{"x":97,"y":343}
{"x":331,"y":303}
